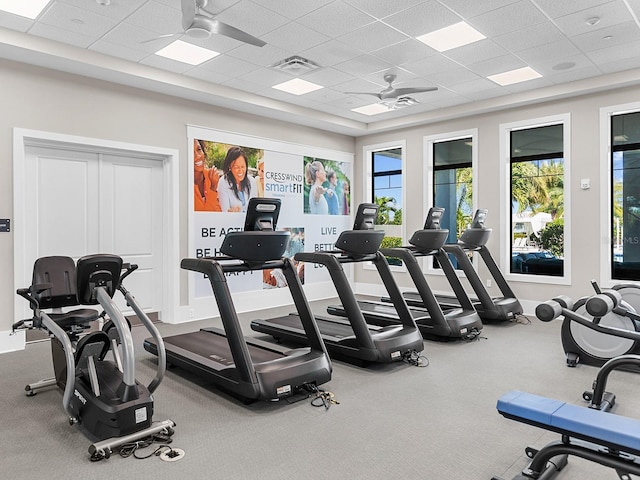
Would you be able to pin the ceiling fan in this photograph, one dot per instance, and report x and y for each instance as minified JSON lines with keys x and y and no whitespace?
{"x":199,"y":23}
{"x":395,"y":98}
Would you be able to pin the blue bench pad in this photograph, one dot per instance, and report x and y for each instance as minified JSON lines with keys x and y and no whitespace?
{"x":602,"y":428}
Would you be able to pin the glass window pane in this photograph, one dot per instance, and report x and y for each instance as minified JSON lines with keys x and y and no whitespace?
{"x":626,"y":216}
{"x":625,"y":129}
{"x":452,"y":186}
{"x":536,"y":141}
{"x":537,"y":202}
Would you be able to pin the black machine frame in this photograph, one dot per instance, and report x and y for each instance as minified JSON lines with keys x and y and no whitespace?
{"x":351,"y":338}
{"x":225,"y":356}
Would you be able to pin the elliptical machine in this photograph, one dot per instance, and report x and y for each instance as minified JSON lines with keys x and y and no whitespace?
{"x":100,"y":394}
{"x":583,"y":343}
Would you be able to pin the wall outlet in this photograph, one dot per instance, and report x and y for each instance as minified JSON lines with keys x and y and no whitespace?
{"x":488,"y":282}
{"x":191,"y":313}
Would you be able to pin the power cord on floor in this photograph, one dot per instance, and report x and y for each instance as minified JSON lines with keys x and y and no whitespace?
{"x":522,"y":319}
{"x":164,"y":451}
{"x":321,"y":397}
{"x":474,"y":336}
{"x":415,"y":358}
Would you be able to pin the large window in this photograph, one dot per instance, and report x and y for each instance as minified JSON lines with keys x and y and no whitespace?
{"x":625,"y":196}
{"x":453,"y":185}
{"x":537,"y":173}
{"x":386,"y":167}
{"x":385,"y":187}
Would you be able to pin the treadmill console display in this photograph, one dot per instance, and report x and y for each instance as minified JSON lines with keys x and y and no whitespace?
{"x":366,"y":216}
{"x":262,"y":214}
{"x":433,"y":218}
{"x":478,"y":218}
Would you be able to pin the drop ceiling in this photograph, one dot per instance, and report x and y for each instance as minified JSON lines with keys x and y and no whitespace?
{"x":577,"y":46}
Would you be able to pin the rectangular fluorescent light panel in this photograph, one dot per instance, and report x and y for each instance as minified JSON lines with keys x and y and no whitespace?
{"x":25,"y":8}
{"x":514,"y":76}
{"x":453,"y":36}
{"x":297,"y":86}
{"x":372,"y":109}
{"x":186,"y":53}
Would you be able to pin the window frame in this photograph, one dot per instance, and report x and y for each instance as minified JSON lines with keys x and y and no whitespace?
{"x":606,"y":206}
{"x":428,"y":145}
{"x":505,"y":198}
{"x":367,"y":155}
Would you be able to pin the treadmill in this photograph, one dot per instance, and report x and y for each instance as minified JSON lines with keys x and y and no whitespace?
{"x":249,"y":368}
{"x":456,"y":323}
{"x":474,"y":239}
{"x":351,"y":339}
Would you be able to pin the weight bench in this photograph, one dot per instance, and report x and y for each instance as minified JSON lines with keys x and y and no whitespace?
{"x":601,"y":437}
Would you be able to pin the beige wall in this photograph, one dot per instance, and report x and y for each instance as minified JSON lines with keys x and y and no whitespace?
{"x":40,"y":99}
{"x":585,"y":163}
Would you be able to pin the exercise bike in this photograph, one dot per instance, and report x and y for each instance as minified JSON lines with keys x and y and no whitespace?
{"x":595,"y":346}
{"x":95,"y":370}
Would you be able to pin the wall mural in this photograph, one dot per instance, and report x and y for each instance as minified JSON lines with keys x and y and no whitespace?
{"x":229,"y":169}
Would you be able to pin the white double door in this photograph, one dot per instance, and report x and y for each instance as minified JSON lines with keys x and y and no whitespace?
{"x":81,"y":201}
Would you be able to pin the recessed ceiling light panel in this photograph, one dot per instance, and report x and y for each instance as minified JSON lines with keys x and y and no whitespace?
{"x":24,"y":8}
{"x":453,"y":36}
{"x":372,"y":109}
{"x":297,"y":86}
{"x":514,"y":76}
{"x":187,"y":53}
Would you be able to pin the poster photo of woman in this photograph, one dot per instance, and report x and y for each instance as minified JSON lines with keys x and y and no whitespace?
{"x":326,"y":189}
{"x":225,"y":176}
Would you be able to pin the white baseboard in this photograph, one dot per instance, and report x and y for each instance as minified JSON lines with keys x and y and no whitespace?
{"x":10,"y":342}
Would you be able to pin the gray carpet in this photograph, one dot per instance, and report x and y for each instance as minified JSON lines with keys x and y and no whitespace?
{"x":392,"y":422}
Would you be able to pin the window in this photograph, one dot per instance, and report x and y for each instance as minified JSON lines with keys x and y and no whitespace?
{"x":537,"y":194}
{"x":625,"y":196}
{"x":385,"y":187}
{"x":453,"y":186}
{"x":451,"y":161}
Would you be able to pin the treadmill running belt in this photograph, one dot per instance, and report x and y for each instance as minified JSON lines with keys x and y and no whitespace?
{"x":327,"y":328}
{"x":215,"y":347}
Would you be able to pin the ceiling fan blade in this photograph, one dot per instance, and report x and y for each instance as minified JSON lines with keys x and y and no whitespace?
{"x":188,"y":13}
{"x":162,"y":36}
{"x":235,"y":33}
{"x":398,"y":92}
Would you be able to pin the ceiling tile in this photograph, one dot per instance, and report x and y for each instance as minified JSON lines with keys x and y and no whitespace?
{"x":77,"y":20}
{"x":337,"y":17}
{"x":363,"y":65}
{"x":292,"y":8}
{"x":404,"y":52}
{"x":118,"y":10}
{"x":157,"y":17}
{"x":467,"y":9}
{"x":372,"y":37}
{"x":294,"y":35}
{"x":508,"y":19}
{"x":619,"y":35}
{"x":383,"y":8}
{"x":330,"y":53}
{"x":549,"y":51}
{"x":610,"y":14}
{"x":529,"y":37}
{"x":423,"y":18}
{"x":61,"y":35}
{"x":555,"y":8}
{"x":475,"y":52}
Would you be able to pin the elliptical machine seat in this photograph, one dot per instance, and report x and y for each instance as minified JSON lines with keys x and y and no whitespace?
{"x":53,"y":286}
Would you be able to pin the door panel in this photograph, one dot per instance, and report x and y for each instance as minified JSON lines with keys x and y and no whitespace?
{"x":92,"y":202}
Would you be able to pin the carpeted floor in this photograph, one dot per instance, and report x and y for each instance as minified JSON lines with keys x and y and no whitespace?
{"x":392,"y":421}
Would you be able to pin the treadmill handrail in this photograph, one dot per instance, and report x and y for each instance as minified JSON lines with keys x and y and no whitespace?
{"x":340,"y":256}
{"x":408,"y":255}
